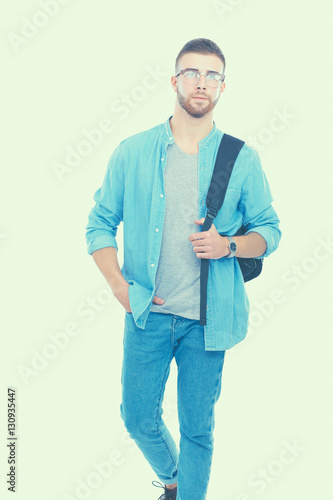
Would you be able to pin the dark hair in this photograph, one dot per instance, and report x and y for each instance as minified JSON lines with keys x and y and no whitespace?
{"x":201,"y":46}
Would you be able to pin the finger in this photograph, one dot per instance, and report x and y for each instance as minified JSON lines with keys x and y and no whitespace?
{"x":199,"y":242}
{"x":200,"y":250}
{"x":201,"y":255}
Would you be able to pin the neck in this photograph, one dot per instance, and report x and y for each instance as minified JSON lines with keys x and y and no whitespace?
{"x":188,"y":129}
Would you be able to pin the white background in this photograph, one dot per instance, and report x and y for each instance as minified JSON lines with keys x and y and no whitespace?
{"x":65,"y":79}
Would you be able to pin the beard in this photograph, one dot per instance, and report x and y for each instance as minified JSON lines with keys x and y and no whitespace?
{"x":199,"y":109}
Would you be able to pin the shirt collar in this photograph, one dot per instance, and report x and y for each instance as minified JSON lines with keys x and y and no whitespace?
{"x":170,"y":139}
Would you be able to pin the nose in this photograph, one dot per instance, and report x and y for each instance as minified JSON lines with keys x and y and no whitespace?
{"x":204,"y":82}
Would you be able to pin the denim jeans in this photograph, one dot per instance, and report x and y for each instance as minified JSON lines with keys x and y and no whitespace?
{"x":147,"y":355}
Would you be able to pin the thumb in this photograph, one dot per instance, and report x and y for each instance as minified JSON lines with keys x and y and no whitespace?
{"x":199,"y":221}
{"x":158,"y":300}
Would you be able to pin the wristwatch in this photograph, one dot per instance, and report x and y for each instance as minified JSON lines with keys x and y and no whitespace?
{"x":232,"y":247}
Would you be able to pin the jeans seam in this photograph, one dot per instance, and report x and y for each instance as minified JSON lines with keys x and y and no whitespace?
{"x":214,"y":401}
{"x":159,"y":402}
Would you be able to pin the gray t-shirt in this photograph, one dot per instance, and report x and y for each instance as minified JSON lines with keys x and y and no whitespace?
{"x":178,"y":271}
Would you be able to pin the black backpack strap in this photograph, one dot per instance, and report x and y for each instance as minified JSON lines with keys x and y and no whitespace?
{"x":226,"y":156}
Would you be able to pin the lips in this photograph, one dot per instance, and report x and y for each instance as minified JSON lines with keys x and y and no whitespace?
{"x":200,"y":97}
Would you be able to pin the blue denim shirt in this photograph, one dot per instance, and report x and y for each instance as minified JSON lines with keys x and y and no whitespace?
{"x":133,"y":192}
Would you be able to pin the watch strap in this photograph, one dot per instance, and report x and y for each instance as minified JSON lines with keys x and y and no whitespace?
{"x":232,"y":252}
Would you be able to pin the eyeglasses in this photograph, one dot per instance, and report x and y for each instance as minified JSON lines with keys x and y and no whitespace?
{"x":191,"y":77}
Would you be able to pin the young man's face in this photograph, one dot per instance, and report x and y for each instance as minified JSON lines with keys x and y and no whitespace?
{"x":186,"y":93}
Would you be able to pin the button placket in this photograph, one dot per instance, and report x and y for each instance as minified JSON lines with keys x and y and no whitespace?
{"x":161,"y":194}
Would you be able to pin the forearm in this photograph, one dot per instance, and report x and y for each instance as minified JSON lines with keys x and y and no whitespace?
{"x":249,"y":245}
{"x":107,"y":262}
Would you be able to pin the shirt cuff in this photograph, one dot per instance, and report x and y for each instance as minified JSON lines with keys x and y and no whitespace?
{"x":102,"y":242}
{"x":268,"y":233}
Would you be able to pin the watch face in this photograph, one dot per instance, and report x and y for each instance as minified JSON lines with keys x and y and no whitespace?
{"x":233,"y":246}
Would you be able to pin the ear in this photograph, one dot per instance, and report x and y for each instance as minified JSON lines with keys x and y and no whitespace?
{"x":174,"y":83}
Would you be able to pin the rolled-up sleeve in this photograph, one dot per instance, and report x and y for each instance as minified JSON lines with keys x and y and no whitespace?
{"x":105,"y":217}
{"x":256,"y":206}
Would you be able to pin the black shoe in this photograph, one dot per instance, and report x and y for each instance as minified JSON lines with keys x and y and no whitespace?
{"x":169,"y":494}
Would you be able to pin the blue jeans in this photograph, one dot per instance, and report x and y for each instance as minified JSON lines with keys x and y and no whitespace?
{"x":146,"y":366}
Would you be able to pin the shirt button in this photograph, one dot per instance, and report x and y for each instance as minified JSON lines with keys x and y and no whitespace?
{"x":152,"y":265}
{"x":170,"y":138}
{"x":161,"y":195}
{"x":157,"y":230}
{"x":162,"y":159}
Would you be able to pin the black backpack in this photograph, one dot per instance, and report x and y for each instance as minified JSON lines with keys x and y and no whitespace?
{"x":226,"y":156}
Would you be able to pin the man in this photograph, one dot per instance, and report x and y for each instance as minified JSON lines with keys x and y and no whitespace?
{"x":156,"y":183}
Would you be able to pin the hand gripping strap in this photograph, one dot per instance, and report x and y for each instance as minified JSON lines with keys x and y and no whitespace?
{"x":226,"y":156}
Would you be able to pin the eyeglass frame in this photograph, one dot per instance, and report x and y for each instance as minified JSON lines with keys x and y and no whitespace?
{"x":182,"y":71}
